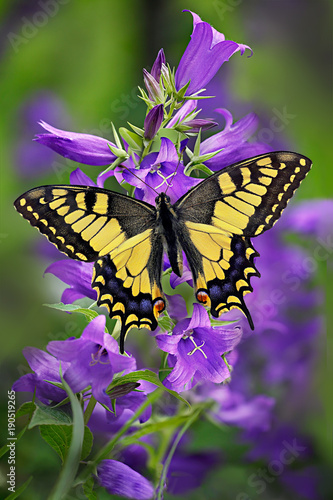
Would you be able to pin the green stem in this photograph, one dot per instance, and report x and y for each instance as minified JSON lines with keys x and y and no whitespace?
{"x":173,"y":448}
{"x":104,"y":452}
{"x":90,"y":407}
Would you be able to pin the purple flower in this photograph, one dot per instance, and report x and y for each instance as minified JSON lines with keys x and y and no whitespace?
{"x":45,"y":367}
{"x":76,"y":274}
{"x":29,"y":158}
{"x":162,"y":171}
{"x":119,"y":479}
{"x":311,"y":218}
{"x":234,"y":141}
{"x":196,"y":350}
{"x":93,"y":359}
{"x":153,"y":122}
{"x":204,"y":55}
{"x":83,"y":148}
{"x":187,"y":471}
{"x":157,"y":66}
{"x":234,"y":409}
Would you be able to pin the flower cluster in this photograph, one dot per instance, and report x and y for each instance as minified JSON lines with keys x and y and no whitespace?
{"x":198,"y":355}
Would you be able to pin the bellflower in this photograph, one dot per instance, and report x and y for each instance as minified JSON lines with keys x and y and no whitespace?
{"x":83,"y":148}
{"x":234,"y":409}
{"x":234,"y":141}
{"x":30,"y":159}
{"x":45,"y":367}
{"x":157,"y":66}
{"x":204,"y":55}
{"x":76,"y":274}
{"x":162,"y":171}
{"x":153,"y":122}
{"x":119,"y":479}
{"x":197,"y":348}
{"x":93,"y":359}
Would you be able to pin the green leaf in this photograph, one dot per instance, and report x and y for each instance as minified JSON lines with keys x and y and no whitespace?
{"x":133,"y":140}
{"x":198,"y":166}
{"x":26,"y":409}
{"x":46,"y":415}
{"x":139,"y":131}
{"x":160,"y":426}
{"x":90,"y":314}
{"x":59,"y":438}
{"x":19,"y":490}
{"x":88,"y":489}
{"x":150,"y":377}
{"x":196,"y":150}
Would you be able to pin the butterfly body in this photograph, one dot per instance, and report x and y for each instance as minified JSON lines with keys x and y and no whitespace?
{"x":212,"y":223}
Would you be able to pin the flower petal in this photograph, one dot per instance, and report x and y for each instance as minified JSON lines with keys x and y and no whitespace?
{"x":83,"y":148}
{"x":120,"y":479}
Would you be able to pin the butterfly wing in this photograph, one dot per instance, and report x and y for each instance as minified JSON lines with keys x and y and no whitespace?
{"x":222,"y":213}
{"x":117,"y":232}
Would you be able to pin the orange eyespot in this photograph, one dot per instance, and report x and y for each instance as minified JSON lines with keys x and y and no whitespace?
{"x":202,"y":297}
{"x":159,"y":306}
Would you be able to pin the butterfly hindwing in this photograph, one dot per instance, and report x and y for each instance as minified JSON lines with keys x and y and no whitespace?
{"x":221,"y":265}
{"x":127,"y":282}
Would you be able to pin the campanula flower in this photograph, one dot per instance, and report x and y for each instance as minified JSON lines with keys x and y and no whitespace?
{"x":83,"y":148}
{"x":196,"y":348}
{"x":204,"y":55}
{"x":119,"y":479}
{"x":161,"y":171}
{"x":76,"y":274}
{"x":153,"y":122}
{"x":93,"y":359}
{"x":157,"y":66}
{"x":45,"y":367}
{"x":233,"y":139}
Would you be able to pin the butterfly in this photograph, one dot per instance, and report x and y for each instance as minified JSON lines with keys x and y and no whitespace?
{"x":212,"y":223}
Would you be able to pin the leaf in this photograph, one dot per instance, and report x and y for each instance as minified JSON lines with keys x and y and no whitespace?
{"x":26,"y":409}
{"x":132,"y":139}
{"x":19,"y":490}
{"x":169,"y":422}
{"x":150,"y":377}
{"x":46,"y":415}
{"x":59,"y":438}
{"x":88,"y":489}
{"x":90,"y":314}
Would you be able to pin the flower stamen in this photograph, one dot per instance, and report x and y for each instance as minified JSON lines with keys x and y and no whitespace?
{"x":96,"y":358}
{"x":196,"y":348}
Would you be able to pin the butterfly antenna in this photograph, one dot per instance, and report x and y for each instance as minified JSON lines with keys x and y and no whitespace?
{"x":141,"y":180}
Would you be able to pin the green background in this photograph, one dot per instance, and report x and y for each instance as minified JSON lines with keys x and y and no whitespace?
{"x":90,"y":54}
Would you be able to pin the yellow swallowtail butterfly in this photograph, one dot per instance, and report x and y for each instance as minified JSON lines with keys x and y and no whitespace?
{"x":212,"y":223}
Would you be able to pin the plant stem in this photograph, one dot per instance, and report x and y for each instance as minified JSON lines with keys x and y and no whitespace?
{"x":104,"y":452}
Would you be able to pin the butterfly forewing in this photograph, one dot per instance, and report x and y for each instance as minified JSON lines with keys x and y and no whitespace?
{"x":223,"y":212}
{"x":84,"y":222}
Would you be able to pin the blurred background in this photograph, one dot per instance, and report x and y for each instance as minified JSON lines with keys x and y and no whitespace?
{"x":77,"y":65}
